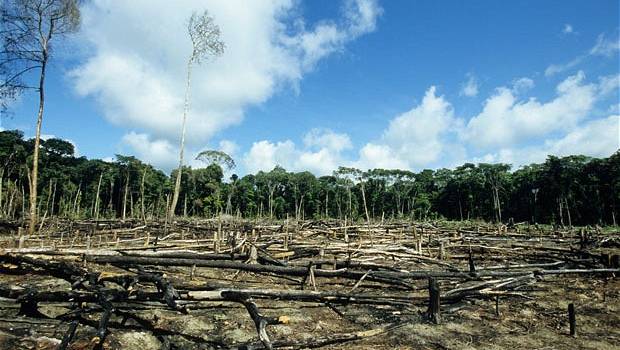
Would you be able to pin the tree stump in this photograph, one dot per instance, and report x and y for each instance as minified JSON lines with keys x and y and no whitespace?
{"x":434,"y":301}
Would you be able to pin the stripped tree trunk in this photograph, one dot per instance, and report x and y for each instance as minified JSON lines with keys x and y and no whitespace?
{"x":142,"y":213}
{"x":97,"y":198}
{"x":125,"y":196}
{"x":37,"y":142}
{"x":177,"y":182}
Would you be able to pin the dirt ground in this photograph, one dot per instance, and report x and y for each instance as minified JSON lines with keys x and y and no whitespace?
{"x":537,"y":322}
{"x":532,"y":317}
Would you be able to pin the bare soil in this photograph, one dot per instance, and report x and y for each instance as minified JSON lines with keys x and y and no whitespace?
{"x":532,"y":315}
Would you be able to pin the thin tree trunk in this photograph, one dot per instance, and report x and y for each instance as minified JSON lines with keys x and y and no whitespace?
{"x":499,"y":205}
{"x":177,"y":183}
{"x":229,"y":209}
{"x":350,"y":200}
{"x":24,"y":200}
{"x":125,"y":196}
{"x":131,"y":206}
{"x":326,"y":204}
{"x":1,"y":187}
{"x":75,"y":202}
{"x":338,"y":205}
{"x":570,"y":223}
{"x":365,"y":206}
{"x":10,"y":210}
{"x":142,"y":212}
{"x":559,"y":200}
{"x":49,"y":198}
{"x":53,"y":199}
{"x":37,"y":142}
{"x":271,"y":190}
{"x":97,"y":197}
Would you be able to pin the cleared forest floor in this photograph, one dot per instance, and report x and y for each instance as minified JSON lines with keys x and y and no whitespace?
{"x":247,"y":284}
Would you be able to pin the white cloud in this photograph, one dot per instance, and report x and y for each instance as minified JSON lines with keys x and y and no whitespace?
{"x":379,"y":156}
{"x":605,"y":47}
{"x":559,"y":68}
{"x":506,"y":121}
{"x":158,"y":152}
{"x":417,"y":136}
{"x":523,"y":131}
{"x":424,"y":136}
{"x":136,"y":64}
{"x":568,"y":29}
{"x":328,"y":139}
{"x":229,"y":147}
{"x":522,"y":84}
{"x":321,"y":153}
{"x":595,"y":138}
{"x":470,"y":87}
{"x":608,"y":84}
{"x":508,"y":129}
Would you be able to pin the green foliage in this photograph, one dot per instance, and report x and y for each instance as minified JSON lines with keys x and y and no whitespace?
{"x":216,"y":157}
{"x":570,"y":190}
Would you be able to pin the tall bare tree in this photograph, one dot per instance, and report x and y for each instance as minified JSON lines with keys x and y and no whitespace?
{"x":205,"y":37}
{"x":27,"y":30}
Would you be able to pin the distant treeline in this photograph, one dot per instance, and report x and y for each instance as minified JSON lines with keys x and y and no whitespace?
{"x":573,"y":190}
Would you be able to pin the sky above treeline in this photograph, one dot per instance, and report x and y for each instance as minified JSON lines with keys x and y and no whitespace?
{"x":313,"y":85}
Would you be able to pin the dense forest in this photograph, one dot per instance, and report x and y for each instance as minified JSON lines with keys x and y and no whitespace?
{"x":573,"y":190}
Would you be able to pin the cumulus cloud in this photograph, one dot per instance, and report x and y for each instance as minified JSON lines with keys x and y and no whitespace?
{"x":521,"y":130}
{"x":328,"y":139}
{"x":568,"y":29}
{"x":321,"y":153}
{"x":160,"y":152}
{"x":509,"y":128}
{"x":418,"y":136}
{"x":380,"y":156}
{"x":135,"y":65}
{"x":421,"y":137}
{"x":595,"y":138}
{"x":505,"y":120}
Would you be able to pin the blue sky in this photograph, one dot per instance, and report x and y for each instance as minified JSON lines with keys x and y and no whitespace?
{"x":316,"y":84}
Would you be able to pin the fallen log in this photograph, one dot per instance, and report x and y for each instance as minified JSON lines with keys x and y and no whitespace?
{"x":379,"y":276}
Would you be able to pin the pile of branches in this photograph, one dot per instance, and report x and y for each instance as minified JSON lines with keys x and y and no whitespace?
{"x":112,"y":270}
